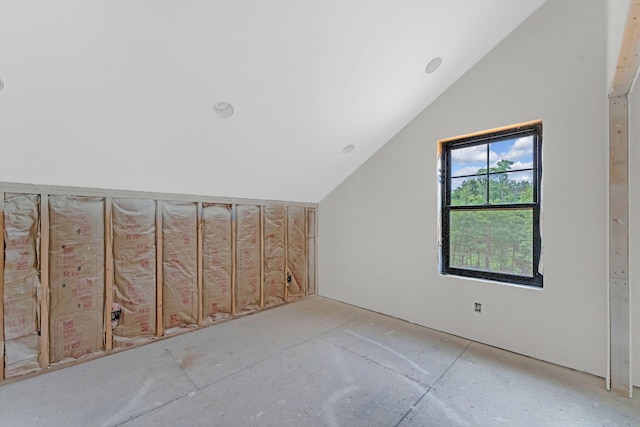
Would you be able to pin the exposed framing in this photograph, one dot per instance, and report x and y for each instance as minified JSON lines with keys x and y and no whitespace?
{"x":2,"y":290}
{"x":316,"y":227}
{"x":261,"y":257}
{"x":108,"y":270}
{"x":620,"y":358}
{"x":619,"y":309}
{"x":130,"y":194}
{"x":159,"y":276}
{"x":306,"y":253}
{"x":44,"y":280}
{"x":313,"y":230}
{"x":45,"y":191}
{"x":199,"y":262}
{"x":286,"y":255}
{"x":234,"y":260}
{"x":629,"y":58}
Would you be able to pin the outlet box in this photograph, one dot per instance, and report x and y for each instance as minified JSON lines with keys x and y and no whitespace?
{"x":477,"y":307}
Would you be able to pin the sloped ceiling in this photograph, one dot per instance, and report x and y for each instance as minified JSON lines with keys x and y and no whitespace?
{"x":119,"y":94}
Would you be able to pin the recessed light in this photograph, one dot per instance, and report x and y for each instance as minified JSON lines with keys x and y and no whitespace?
{"x":1,"y":84}
{"x":349,"y":148}
{"x":223,"y":110}
{"x":433,"y":65}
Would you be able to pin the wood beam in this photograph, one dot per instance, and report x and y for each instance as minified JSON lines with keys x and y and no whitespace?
{"x":261,"y":257}
{"x":200,"y":264}
{"x":44,"y":280}
{"x":629,"y":58}
{"x":286,"y":254}
{"x":159,"y":277}
{"x":2,"y":289}
{"x":234,"y":257}
{"x":619,"y":370}
{"x":108,"y":270}
{"x":619,"y":309}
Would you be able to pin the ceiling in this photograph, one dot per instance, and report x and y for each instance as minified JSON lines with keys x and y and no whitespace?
{"x":120,"y":94}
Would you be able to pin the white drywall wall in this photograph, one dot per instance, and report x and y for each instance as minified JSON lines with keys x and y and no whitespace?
{"x":378,"y":229}
{"x":634,"y":228}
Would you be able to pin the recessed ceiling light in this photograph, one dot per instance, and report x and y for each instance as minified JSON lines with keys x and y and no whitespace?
{"x":349,"y":148}
{"x":223,"y":110}
{"x":1,"y":84}
{"x":433,"y":65}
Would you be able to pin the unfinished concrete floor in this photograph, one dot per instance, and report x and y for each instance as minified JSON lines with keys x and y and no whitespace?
{"x":316,"y":362}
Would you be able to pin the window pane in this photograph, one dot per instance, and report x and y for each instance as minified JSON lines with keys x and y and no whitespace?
{"x":518,"y":153}
{"x":469,"y":160}
{"x":468,"y":191}
{"x":511,"y":187}
{"x":498,"y":241}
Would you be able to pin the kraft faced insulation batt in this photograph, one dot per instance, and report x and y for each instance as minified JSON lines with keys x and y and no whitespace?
{"x":217,"y":262}
{"x":134,"y":259}
{"x":246,"y":253}
{"x":311,"y":251}
{"x":179,"y":264}
{"x":274,"y":255}
{"x":22,"y":290}
{"x":76,"y":276}
{"x":248,"y":258}
{"x":296,"y":244}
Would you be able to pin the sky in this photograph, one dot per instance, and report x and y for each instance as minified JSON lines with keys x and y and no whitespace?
{"x":467,"y":161}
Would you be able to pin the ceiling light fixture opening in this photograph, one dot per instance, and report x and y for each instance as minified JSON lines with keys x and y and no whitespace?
{"x":349,"y":148}
{"x":433,"y":65}
{"x":223,"y":110}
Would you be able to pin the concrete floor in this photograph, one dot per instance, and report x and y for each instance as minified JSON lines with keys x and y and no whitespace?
{"x":316,"y":362}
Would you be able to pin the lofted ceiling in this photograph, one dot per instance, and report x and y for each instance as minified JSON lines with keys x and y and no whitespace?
{"x":120,"y":94}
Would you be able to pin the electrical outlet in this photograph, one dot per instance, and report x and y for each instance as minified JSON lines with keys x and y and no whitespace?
{"x":478,"y":307}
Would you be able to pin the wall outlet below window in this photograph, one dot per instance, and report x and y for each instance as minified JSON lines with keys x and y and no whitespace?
{"x":477,"y":307}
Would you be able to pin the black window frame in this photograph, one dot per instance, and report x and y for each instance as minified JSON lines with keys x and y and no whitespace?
{"x":531,"y":129}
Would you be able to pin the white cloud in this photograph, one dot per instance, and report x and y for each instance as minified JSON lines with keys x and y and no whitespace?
{"x":474,"y":154}
{"x":521,"y":165}
{"x":468,"y":160}
{"x":521,"y":147}
{"x":516,"y":165}
{"x":471,"y":170}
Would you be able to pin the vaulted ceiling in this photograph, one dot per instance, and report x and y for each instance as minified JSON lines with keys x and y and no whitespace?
{"x":121,"y":94}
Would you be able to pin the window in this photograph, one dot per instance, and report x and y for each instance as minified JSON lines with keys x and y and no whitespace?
{"x":490,"y":201}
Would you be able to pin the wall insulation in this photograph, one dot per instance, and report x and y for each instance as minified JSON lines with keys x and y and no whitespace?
{"x":296,"y":253}
{"x":248,"y":258}
{"x":22,"y":290}
{"x":134,"y":261}
{"x":274,"y":254}
{"x":76,"y":276}
{"x":217,"y":262}
{"x":83,"y":275}
{"x":179,"y":265}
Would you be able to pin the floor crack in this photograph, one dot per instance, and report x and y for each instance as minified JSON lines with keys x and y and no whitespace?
{"x":452,"y":363}
{"x":376,"y":362}
{"x":282,"y":351}
{"x":433,"y":385}
{"x":179,"y":363}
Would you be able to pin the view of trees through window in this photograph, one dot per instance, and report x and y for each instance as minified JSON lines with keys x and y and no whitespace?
{"x":491,"y":204}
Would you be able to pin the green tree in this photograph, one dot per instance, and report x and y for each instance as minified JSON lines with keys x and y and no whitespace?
{"x":492,"y":240}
